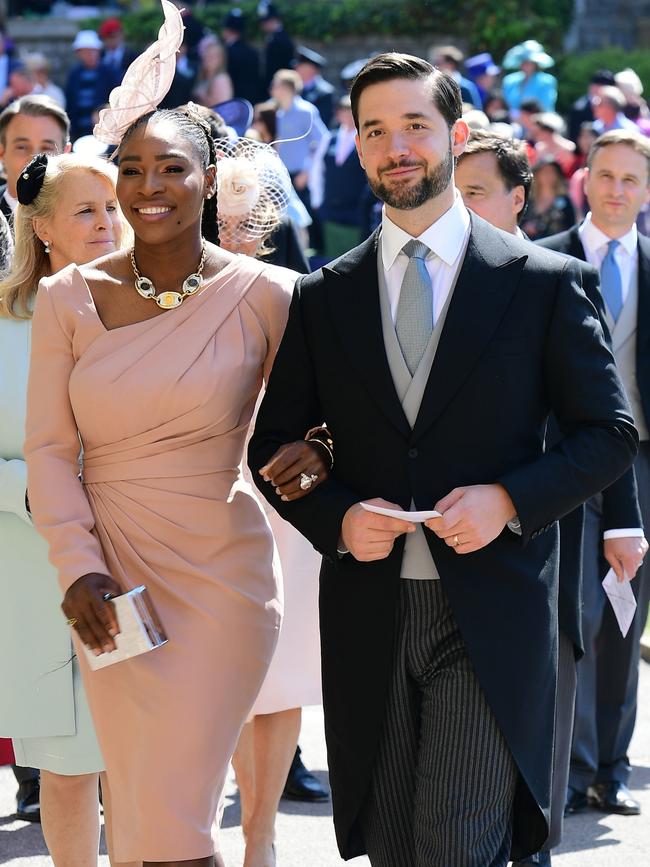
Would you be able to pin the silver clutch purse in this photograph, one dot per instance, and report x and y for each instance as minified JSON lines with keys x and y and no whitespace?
{"x":140,"y":629}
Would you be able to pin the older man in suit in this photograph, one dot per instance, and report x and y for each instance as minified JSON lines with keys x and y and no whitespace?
{"x":436,"y":351}
{"x":617,"y":186}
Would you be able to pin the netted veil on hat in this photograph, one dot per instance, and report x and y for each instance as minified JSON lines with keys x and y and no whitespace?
{"x":146,"y":81}
{"x":253,"y":189}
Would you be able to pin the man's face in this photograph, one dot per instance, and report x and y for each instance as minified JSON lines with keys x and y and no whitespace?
{"x":344,"y":118}
{"x":89,"y":57}
{"x":617,"y":188}
{"x":603,"y":109}
{"x":484,"y":191}
{"x":306,"y":71}
{"x":25,"y":137}
{"x":281,"y":92}
{"x":405,"y":144}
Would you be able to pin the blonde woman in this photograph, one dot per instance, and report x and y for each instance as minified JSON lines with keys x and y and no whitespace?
{"x":67,"y":213}
{"x":213,"y":84}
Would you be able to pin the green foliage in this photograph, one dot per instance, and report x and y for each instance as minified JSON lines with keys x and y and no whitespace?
{"x":575,"y":70}
{"x":483,"y":25}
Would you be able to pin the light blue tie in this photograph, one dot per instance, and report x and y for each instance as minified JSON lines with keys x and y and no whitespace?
{"x":414,"y":321}
{"x":611,"y":284}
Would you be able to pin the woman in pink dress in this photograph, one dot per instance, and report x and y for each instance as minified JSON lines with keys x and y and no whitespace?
{"x":160,"y":388}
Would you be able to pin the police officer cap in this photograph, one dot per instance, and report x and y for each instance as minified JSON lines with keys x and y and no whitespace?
{"x":307,"y":55}
{"x":351,"y":70}
{"x":235,"y":20}
{"x":265,"y":11}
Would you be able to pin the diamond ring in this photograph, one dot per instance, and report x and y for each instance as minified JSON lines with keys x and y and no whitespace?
{"x":307,"y":481}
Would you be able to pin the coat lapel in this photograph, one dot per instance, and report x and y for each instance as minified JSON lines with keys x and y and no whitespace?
{"x":487,"y":280}
{"x":575,"y":247}
{"x":353,"y":292}
{"x":643,"y":315}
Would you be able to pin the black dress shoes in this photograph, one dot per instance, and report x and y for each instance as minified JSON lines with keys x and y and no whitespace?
{"x":576,"y":801}
{"x":539,"y":859}
{"x":28,"y":806}
{"x":613,"y":797}
{"x":302,"y":785}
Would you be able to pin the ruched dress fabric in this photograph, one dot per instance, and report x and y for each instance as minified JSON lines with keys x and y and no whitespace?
{"x":162,"y":408}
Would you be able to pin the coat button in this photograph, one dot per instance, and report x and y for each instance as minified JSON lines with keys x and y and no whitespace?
{"x":413,"y":453}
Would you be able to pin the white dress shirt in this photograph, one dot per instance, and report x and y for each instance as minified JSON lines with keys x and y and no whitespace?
{"x":626,"y":254}
{"x":446,"y":238}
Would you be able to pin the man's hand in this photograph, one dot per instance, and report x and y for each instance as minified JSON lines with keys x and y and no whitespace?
{"x":472,"y":517}
{"x":369,"y":536}
{"x":625,"y":555}
{"x":300,"y":180}
{"x":93,"y":617}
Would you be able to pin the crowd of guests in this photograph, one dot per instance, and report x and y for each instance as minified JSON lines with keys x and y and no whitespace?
{"x":311,"y":174}
{"x":309,"y":118}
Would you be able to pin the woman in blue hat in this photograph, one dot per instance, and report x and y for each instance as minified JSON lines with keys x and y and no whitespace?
{"x":530,"y":81}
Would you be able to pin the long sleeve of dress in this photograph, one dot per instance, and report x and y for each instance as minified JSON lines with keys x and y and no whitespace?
{"x":13,"y":484}
{"x":57,"y":500}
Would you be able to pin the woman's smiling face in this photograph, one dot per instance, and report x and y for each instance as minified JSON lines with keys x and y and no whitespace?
{"x":162,"y":182}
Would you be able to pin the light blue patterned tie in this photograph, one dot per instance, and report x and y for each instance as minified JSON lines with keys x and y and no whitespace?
{"x":414,"y":322}
{"x":611,"y":284}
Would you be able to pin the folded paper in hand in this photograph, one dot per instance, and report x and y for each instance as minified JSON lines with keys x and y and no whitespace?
{"x":140,"y":629}
{"x":621,"y":596}
{"x":415,"y":517}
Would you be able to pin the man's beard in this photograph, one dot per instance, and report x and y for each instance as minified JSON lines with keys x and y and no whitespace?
{"x":409,"y":197}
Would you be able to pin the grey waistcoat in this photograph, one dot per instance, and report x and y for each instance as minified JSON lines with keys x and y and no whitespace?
{"x":624,"y":336}
{"x":417,"y":561}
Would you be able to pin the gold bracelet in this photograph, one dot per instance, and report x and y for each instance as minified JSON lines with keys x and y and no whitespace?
{"x":326,"y":447}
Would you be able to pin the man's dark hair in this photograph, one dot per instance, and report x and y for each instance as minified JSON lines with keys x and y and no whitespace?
{"x":512,"y":159}
{"x":531,"y":106}
{"x":445,"y":93}
{"x":37,"y":105}
{"x":636,"y":141}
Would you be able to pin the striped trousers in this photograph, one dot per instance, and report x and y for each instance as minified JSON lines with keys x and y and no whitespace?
{"x":444,"y":780}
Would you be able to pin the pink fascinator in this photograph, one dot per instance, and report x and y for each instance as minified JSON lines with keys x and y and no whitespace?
{"x":146,"y":81}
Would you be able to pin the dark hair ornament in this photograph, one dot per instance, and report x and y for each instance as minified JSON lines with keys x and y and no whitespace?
{"x":30,"y":180}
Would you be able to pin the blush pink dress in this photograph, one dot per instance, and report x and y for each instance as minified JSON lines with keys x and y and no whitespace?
{"x":162,"y":408}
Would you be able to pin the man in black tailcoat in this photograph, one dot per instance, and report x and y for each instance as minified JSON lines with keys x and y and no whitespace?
{"x":436,"y":351}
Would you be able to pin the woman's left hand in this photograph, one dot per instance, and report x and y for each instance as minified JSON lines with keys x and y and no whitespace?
{"x":291,"y":464}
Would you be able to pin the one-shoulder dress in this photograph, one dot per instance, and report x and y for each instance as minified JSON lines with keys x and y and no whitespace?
{"x":162,"y":408}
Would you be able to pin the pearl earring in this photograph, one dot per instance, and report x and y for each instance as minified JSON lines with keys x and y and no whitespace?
{"x":47,"y":246}
{"x":209,"y":196}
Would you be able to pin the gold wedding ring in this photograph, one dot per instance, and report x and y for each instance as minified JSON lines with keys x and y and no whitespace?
{"x":72,"y":621}
{"x":456,"y":541}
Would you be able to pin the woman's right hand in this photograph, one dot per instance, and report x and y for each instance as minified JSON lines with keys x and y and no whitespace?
{"x":93,"y":617}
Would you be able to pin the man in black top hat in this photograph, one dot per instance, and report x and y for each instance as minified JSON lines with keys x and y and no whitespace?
{"x":279,"y":51}
{"x":243,"y":59}
{"x":309,"y":66}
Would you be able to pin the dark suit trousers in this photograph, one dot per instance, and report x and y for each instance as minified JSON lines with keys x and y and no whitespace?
{"x":608,"y":673}
{"x":444,"y":781}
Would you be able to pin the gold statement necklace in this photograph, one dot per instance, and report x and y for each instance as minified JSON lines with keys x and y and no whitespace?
{"x":169,"y":300}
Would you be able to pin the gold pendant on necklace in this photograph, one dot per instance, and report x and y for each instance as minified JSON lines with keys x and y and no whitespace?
{"x":169,"y":300}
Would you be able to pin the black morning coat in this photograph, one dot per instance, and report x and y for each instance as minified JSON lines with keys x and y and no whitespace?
{"x":620,"y":501}
{"x":520,"y":340}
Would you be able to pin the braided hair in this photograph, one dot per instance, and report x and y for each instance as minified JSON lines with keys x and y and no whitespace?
{"x":196,"y":130}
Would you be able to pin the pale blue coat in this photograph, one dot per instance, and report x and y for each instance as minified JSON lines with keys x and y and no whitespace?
{"x":38,"y":698}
